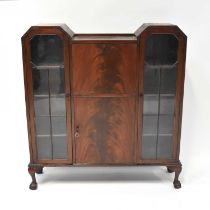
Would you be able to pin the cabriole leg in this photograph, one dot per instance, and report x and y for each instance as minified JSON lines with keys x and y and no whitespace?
{"x":33,"y":185}
{"x":177,"y":169}
{"x":33,"y":169}
{"x":177,"y":183}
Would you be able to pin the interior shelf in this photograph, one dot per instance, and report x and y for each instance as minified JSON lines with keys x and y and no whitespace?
{"x":51,"y":95}
{"x":49,"y":135}
{"x":156,"y":115}
{"x":161,"y":94}
{"x":159,"y":134}
{"x":41,"y":66}
{"x":160,"y":66}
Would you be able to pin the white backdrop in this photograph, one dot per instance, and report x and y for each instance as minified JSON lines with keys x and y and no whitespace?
{"x":98,"y":188}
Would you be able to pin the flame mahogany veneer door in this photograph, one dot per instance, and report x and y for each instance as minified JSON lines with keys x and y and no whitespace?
{"x":105,"y":85}
{"x":105,"y":127}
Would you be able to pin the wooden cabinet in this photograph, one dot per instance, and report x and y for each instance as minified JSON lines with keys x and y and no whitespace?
{"x":104,"y":99}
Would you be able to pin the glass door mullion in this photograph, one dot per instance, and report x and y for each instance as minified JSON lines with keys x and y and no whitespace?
{"x":158,"y":110}
{"x":50,"y":113}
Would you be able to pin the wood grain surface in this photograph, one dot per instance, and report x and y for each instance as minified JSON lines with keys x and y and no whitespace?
{"x":104,"y":68}
{"x":106,"y":129}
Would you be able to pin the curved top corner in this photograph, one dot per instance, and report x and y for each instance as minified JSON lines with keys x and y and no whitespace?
{"x":147,"y":26}
{"x":62,"y":27}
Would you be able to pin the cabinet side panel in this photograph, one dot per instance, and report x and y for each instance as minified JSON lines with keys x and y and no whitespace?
{"x":25,"y":55}
{"x":179,"y":94}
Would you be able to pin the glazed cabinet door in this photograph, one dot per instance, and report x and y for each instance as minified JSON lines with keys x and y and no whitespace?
{"x":105,"y":94}
{"x":47,"y":84}
{"x":159,"y":96}
{"x":161,"y":84}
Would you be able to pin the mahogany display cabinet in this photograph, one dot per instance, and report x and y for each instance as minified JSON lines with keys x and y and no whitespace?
{"x":104,"y":99}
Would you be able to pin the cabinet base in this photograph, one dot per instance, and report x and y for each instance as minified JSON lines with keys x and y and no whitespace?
{"x":38,"y":169}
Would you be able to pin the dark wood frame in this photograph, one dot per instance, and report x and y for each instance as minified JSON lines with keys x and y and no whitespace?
{"x":69,"y":38}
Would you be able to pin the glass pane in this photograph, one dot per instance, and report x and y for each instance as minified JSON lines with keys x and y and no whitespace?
{"x":167,"y":104}
{"x":165,"y":124}
{"x":40,"y":81}
{"x":151,"y":80}
{"x":168,"y":80}
{"x":58,"y":125}
{"x":46,"y":50}
{"x":44,"y":147}
{"x":59,"y":147}
{"x":159,"y":95}
{"x":164,"y":149}
{"x":58,"y":106}
{"x":161,"y":49}
{"x":41,"y":105}
{"x":150,"y":124}
{"x":151,"y":104}
{"x":49,"y":96}
{"x":56,"y":78}
{"x":149,"y":147}
{"x":42,"y":125}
